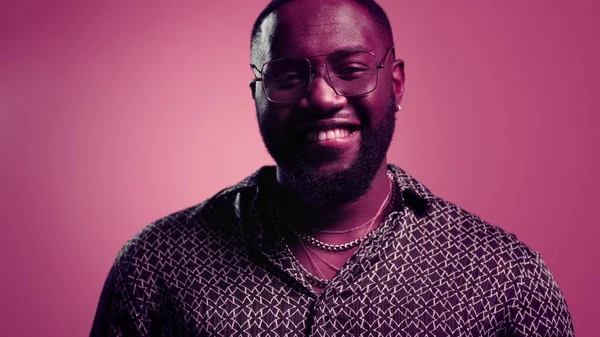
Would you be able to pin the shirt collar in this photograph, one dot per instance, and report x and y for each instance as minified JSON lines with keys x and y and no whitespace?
{"x":257,"y":214}
{"x":413,"y":194}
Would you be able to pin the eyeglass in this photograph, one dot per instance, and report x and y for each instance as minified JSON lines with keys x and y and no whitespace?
{"x":349,"y":73}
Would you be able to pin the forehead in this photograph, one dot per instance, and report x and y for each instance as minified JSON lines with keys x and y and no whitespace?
{"x":309,"y":27}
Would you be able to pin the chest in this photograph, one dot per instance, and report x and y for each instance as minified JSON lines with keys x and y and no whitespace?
{"x":387,"y":294}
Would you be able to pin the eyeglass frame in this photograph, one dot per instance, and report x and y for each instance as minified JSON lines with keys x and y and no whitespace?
{"x":312,"y":73}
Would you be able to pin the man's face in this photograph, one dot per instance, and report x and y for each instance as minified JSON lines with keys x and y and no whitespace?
{"x":327,"y":147}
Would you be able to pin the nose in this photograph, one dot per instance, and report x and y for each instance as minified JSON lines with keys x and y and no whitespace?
{"x":320,"y":96}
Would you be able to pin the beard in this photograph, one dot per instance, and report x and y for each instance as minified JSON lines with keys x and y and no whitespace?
{"x":321,"y":189}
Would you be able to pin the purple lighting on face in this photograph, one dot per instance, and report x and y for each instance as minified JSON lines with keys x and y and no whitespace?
{"x":114,"y":115}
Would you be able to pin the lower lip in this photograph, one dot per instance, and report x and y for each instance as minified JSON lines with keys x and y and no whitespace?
{"x":330,"y":146}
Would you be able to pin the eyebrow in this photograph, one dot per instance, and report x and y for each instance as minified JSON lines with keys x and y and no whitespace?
{"x":349,"y":49}
{"x":337,"y":52}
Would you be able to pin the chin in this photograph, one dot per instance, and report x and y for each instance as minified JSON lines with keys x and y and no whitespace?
{"x":330,"y":168}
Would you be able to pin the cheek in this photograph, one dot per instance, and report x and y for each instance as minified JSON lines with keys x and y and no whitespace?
{"x":372,"y":108}
{"x":274,"y":118}
{"x":385,"y":87}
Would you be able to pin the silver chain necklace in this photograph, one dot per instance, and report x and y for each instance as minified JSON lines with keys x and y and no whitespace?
{"x":327,"y":247}
{"x":338,"y":248}
{"x":321,"y":282}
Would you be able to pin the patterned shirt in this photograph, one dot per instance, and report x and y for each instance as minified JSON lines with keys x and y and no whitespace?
{"x":431,"y":269}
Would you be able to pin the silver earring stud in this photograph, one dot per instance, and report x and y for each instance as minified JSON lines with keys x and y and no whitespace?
{"x":398,"y":107}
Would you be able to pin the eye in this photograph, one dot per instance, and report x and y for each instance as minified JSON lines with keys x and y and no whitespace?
{"x":287,"y":80}
{"x":351,"y":71}
{"x":288,"y":77}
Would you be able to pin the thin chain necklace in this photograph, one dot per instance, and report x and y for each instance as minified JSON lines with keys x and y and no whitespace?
{"x":314,"y":252}
{"x":322,"y":282}
{"x":337,"y":248}
{"x":312,"y":262}
{"x":345,"y":231}
{"x":324,"y":231}
{"x":312,"y":279}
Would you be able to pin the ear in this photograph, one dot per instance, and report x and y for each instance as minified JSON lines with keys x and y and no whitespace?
{"x":253,"y":88}
{"x":398,"y":79}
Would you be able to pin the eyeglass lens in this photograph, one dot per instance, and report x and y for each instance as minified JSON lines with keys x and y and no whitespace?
{"x":351,"y":73}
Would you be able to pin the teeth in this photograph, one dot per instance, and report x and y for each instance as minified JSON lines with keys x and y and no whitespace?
{"x":326,"y":135}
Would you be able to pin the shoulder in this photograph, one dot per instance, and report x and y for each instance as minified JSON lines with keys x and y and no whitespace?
{"x":448,"y":230}
{"x":470,"y":232}
{"x":196,"y":230}
{"x":484,"y":256}
{"x":454,"y":227}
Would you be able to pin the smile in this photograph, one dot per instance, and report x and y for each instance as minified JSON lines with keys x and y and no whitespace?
{"x":323,"y":135}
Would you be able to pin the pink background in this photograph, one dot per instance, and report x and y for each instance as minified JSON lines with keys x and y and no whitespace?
{"x":113,"y":115}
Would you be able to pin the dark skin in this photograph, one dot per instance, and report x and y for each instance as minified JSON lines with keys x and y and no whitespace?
{"x":306,"y":28}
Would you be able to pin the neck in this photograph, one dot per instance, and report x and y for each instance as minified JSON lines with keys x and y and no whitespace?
{"x":339,"y":217}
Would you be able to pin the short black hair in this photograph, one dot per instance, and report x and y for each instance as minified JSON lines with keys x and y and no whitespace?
{"x":377,"y":13}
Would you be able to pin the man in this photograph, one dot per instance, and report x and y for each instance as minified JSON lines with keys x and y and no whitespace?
{"x":334,"y":240}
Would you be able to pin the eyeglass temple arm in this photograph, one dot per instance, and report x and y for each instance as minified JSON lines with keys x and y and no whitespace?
{"x":256,"y":78}
{"x":390,"y":50}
